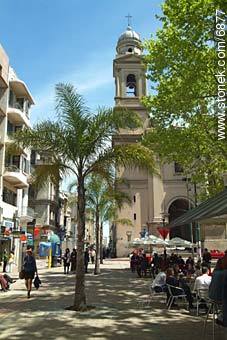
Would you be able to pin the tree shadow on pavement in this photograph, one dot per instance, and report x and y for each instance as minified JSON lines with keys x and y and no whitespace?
{"x":117,"y":315}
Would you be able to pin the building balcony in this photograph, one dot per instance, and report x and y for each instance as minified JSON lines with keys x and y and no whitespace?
{"x":27,"y":214}
{"x":16,"y":177}
{"x":17,"y":116}
{"x":20,"y":89}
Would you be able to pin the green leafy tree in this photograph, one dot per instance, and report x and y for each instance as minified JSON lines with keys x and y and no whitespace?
{"x":182,"y":64}
{"x":80,"y":144}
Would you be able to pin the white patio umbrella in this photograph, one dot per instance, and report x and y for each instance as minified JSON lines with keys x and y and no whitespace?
{"x":179,"y":242}
{"x":151,"y":240}
{"x":157,"y":241}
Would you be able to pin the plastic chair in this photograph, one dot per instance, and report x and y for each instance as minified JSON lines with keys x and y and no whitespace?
{"x":214,"y":307}
{"x":201,"y":297}
{"x":149,"y":299}
{"x":173,"y":295}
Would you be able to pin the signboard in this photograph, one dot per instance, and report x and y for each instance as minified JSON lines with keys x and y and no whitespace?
{"x":8,"y":224}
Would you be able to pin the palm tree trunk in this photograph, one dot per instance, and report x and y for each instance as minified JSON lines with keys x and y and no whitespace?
{"x":80,"y":297}
{"x":97,"y":254}
{"x":101,"y":243}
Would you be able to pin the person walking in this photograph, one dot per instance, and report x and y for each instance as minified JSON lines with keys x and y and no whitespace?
{"x":206,"y":257}
{"x":30,"y":268}
{"x":73,"y":260}
{"x":86,"y":259}
{"x":66,"y":261}
{"x":5,"y":260}
{"x":11,"y":262}
{"x":93,"y":256}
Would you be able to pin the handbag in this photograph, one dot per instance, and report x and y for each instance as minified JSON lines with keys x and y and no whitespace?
{"x":37,"y":282}
{"x":22,"y":274}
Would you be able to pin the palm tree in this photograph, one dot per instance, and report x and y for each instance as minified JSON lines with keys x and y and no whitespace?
{"x":102,"y":196}
{"x":80,"y":144}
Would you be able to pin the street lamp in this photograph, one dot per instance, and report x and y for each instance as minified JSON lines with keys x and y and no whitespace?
{"x":164,"y":216}
{"x":197,"y":226}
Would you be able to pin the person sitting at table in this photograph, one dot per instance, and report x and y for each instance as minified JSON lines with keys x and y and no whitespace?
{"x":159,"y":283}
{"x":180,"y":262}
{"x":203,"y":281}
{"x":177,"y":270}
{"x":189,"y":261}
{"x":173,"y":281}
{"x":173,"y":259}
{"x":198,"y":270}
{"x":190,"y":270}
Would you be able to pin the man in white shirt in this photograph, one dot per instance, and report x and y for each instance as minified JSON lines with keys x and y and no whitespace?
{"x":203,"y":281}
{"x":159,"y":282}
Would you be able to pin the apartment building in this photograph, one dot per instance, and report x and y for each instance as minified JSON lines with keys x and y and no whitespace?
{"x":15,"y":103}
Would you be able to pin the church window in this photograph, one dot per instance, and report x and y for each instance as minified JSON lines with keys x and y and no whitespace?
{"x":129,"y":237}
{"x":131,"y":85}
{"x":130,"y":49}
{"x":134,"y":199}
{"x":134,"y":217}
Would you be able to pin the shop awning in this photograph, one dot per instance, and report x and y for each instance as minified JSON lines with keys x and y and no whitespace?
{"x":213,"y":210}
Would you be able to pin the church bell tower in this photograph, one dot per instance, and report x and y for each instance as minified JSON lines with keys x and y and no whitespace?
{"x":129,"y":72}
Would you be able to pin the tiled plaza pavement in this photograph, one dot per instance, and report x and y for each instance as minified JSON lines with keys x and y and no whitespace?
{"x":115,"y":293}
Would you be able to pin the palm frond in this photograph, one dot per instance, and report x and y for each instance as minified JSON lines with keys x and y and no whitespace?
{"x":124,"y":221}
{"x":128,"y":156}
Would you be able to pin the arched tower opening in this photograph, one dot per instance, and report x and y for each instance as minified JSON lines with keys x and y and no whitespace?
{"x":131,"y":85}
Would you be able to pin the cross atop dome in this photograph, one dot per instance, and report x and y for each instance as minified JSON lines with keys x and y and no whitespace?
{"x":129,"y":17}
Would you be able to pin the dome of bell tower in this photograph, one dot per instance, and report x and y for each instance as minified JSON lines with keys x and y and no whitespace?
{"x":129,"y":42}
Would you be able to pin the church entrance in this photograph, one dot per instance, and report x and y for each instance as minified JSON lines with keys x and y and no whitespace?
{"x":176,"y":209}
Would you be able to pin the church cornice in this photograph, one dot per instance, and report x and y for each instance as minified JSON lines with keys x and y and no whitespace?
{"x":129,"y":58}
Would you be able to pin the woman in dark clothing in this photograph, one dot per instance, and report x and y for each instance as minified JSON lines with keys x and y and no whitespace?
{"x":66,"y":260}
{"x":30,"y":269}
{"x":73,"y":260}
{"x":5,"y":260}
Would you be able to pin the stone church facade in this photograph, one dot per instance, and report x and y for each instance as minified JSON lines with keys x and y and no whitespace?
{"x":156,"y":200}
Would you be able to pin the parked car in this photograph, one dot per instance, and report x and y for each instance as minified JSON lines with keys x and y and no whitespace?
{"x":217,"y":254}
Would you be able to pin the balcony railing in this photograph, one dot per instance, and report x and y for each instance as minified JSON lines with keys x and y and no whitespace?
{"x":18,"y":106}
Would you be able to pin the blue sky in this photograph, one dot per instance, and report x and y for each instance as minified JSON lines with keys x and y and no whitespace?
{"x":51,"y":41}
